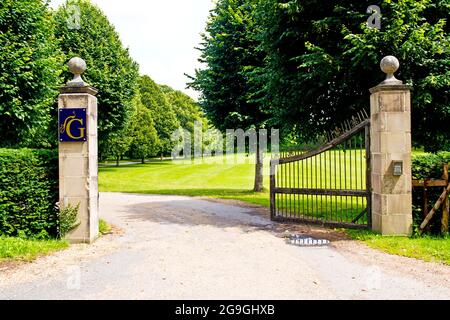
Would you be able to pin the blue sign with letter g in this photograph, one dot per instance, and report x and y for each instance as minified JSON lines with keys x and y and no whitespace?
{"x":72,"y":125}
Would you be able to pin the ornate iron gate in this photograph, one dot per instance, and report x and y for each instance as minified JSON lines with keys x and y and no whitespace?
{"x":329,"y":185}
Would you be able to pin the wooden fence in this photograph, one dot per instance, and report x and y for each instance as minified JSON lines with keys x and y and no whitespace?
{"x":443,"y":200}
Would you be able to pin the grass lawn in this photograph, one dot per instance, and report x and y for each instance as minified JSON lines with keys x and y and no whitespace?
{"x":16,"y":249}
{"x":230,"y":180}
{"x":210,"y":179}
{"x":216,"y":179}
{"x":424,"y":248}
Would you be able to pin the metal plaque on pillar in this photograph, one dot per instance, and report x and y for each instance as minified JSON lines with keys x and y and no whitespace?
{"x":72,"y":125}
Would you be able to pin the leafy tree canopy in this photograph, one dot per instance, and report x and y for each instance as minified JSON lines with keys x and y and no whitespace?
{"x":110,"y":67}
{"x":161,"y":111}
{"x":305,"y":66}
{"x":186,"y":109}
{"x":228,"y":90}
{"x":321,"y":60}
{"x":144,"y":137}
{"x":30,"y":66}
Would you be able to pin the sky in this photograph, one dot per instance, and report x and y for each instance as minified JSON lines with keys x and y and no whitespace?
{"x":161,"y":35}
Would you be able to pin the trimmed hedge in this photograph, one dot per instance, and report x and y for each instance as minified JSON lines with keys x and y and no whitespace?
{"x":428,"y":166}
{"x":28,"y":193}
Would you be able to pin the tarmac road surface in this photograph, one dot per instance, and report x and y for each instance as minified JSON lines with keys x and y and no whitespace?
{"x":171,"y":247}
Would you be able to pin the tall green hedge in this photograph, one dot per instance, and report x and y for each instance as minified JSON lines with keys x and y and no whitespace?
{"x":429,"y":165}
{"x":28,"y":192}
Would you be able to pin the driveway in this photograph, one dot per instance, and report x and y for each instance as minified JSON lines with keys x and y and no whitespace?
{"x":170,"y":247}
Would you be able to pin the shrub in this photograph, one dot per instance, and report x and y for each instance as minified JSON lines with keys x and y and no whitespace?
{"x":428,"y":166}
{"x":28,"y":193}
{"x":67,"y":219}
{"x":103,"y":227}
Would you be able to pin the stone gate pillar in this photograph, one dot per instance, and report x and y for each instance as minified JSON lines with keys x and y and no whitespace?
{"x":390,"y":106}
{"x":78,"y":151}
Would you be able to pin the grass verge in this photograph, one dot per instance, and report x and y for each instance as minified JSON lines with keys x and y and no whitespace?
{"x":427,"y":248}
{"x":17,"y":249}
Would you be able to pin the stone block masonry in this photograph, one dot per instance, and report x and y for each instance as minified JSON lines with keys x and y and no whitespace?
{"x":390,"y":107}
{"x":78,"y":164}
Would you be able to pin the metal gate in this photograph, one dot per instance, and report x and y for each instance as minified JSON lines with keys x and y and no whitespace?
{"x":329,"y":185}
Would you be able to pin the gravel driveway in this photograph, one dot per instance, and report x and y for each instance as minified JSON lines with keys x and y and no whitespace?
{"x":169,"y":247}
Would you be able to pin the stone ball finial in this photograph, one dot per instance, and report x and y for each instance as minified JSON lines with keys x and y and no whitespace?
{"x":77,"y":66}
{"x":390,"y":65}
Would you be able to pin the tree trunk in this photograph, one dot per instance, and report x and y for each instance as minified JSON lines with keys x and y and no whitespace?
{"x":117,"y":161}
{"x":143,"y":160}
{"x":162,"y":157}
{"x":259,"y":169}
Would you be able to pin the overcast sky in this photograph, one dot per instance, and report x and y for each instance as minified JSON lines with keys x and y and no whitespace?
{"x":161,"y":35}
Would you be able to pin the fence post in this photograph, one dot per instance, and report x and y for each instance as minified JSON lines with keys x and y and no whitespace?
{"x":390,"y":106}
{"x":78,"y":151}
{"x":446,"y":205}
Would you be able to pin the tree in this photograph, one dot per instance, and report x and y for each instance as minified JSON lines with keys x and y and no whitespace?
{"x":30,"y":64}
{"x":145,"y":142}
{"x":161,"y":112}
{"x":416,"y":32}
{"x":110,"y":67}
{"x":119,"y":143}
{"x":300,"y":79}
{"x":321,"y":59}
{"x":229,"y":94}
{"x":187,"y":111}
